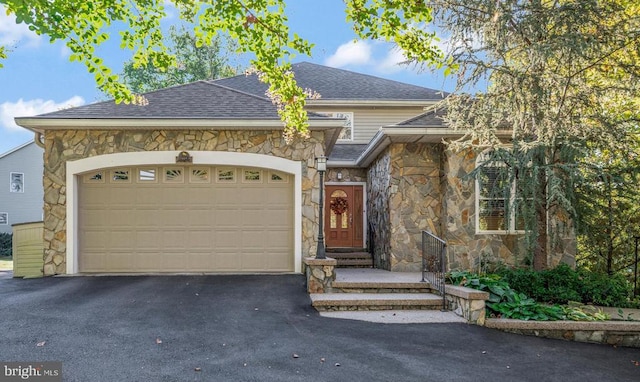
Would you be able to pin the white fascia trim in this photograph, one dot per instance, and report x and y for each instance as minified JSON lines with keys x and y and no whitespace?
{"x":75,"y":168}
{"x":350,"y":102}
{"x":37,"y":124}
{"x":378,"y":143}
{"x":341,"y":163}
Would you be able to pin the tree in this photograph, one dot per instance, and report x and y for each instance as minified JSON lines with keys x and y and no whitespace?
{"x":193,"y":63}
{"x":258,"y":26}
{"x":609,"y":209}
{"x":560,"y":74}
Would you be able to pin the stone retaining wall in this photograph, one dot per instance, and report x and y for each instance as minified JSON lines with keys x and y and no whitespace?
{"x":618,"y":333}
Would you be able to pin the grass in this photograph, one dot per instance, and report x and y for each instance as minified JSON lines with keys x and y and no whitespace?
{"x":6,"y":263}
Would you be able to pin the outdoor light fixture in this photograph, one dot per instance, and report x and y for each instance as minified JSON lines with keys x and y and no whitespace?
{"x":339,"y":175}
{"x":321,"y":166}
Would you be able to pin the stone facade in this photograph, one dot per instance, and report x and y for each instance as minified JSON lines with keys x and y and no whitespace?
{"x":404,"y":198}
{"x":320,"y":274}
{"x":67,"y":145}
{"x":416,"y":187}
{"x":471,"y":251}
{"x":348,"y":175}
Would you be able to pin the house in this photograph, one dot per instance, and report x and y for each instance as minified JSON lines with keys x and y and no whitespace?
{"x":20,"y":186}
{"x":201,"y":180}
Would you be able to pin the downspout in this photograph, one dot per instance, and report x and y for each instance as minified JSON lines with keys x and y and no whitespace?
{"x":39,"y":139}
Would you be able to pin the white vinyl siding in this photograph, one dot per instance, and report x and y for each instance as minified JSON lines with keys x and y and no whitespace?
{"x":22,"y":203}
{"x":368,"y":120}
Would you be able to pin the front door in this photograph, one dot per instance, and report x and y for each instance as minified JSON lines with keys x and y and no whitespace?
{"x":343,"y":216}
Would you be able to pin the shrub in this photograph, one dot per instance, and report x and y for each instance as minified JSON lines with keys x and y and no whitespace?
{"x":507,"y":303}
{"x":604,"y":289}
{"x":5,"y":244}
{"x":563,"y":284}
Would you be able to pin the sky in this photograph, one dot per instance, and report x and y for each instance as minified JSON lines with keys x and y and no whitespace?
{"x":38,"y":77}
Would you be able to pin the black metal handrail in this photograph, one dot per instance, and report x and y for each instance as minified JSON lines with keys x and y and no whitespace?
{"x":434,"y":254}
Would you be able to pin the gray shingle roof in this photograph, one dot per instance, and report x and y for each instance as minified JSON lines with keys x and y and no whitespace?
{"x":339,"y":84}
{"x":242,"y":97}
{"x":196,"y":100}
{"x":431,"y":118}
{"x":346,"y":152}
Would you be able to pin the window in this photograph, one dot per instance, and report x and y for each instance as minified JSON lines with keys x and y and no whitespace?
{"x":16,"y":182}
{"x":121,"y":175}
{"x":4,"y":218}
{"x":199,"y":175}
{"x":94,"y":177}
{"x":347,"y":131}
{"x":146,"y":175}
{"x":497,"y":205}
{"x":226,"y":175}
{"x":173,"y":175}
{"x":252,"y":176}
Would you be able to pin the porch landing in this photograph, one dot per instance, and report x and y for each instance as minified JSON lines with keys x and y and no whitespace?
{"x":380,"y":296}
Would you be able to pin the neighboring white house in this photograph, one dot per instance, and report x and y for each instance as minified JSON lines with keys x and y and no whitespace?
{"x":21,"y":192}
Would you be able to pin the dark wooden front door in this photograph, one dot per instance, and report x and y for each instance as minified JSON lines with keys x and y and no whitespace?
{"x":343,"y":216}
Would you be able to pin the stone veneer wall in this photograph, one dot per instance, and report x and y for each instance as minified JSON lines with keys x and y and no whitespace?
{"x":348,"y":174}
{"x":404,"y":198}
{"x":65,"y":145}
{"x":470,"y":251}
{"x":378,"y":216}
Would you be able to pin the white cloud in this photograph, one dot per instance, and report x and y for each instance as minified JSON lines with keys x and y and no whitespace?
{"x":351,"y":53}
{"x":12,"y":33}
{"x":392,"y":62}
{"x":10,"y":110}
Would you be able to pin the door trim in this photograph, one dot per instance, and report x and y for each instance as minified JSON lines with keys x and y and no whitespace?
{"x":77,"y":167}
{"x":365,"y":225}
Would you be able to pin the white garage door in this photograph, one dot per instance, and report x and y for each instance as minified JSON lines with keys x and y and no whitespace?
{"x":185,"y":219}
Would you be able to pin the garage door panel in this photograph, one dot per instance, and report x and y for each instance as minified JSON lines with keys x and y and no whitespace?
{"x":194,"y":225}
{"x":228,"y":218}
{"x":199,"y":240}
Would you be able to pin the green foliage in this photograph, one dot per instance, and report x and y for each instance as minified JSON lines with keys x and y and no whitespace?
{"x":258,"y":26}
{"x":5,"y":244}
{"x":564,"y":284}
{"x":609,"y":208}
{"x":506,"y":302}
{"x":194,"y":62}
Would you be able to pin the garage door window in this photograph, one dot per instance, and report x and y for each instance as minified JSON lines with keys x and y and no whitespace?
{"x":226,"y":175}
{"x":199,"y":175}
{"x":147,"y":175}
{"x":94,"y":177}
{"x":120,"y":175}
{"x":276,"y":177}
{"x":174,"y":175}
{"x":252,"y":176}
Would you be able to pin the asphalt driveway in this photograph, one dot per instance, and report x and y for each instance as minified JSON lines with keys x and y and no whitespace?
{"x":262,"y":328}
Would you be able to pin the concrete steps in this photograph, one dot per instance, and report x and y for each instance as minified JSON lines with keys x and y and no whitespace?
{"x":375,"y":301}
{"x":377,"y":290}
{"x":356,"y":259}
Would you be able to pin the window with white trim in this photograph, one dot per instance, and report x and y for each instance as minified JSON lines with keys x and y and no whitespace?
{"x":498,"y":205}
{"x":347,"y":131}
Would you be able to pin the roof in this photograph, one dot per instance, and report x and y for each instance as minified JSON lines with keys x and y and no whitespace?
{"x":13,"y":150}
{"x":346,"y":152}
{"x":339,"y":84}
{"x":243,"y":97}
{"x":431,"y":118}
{"x":196,"y":100}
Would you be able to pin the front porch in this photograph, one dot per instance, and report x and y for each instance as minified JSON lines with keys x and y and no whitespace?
{"x":383,"y":296}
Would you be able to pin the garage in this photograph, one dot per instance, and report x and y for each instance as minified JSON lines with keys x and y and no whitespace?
{"x":185,"y":218}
